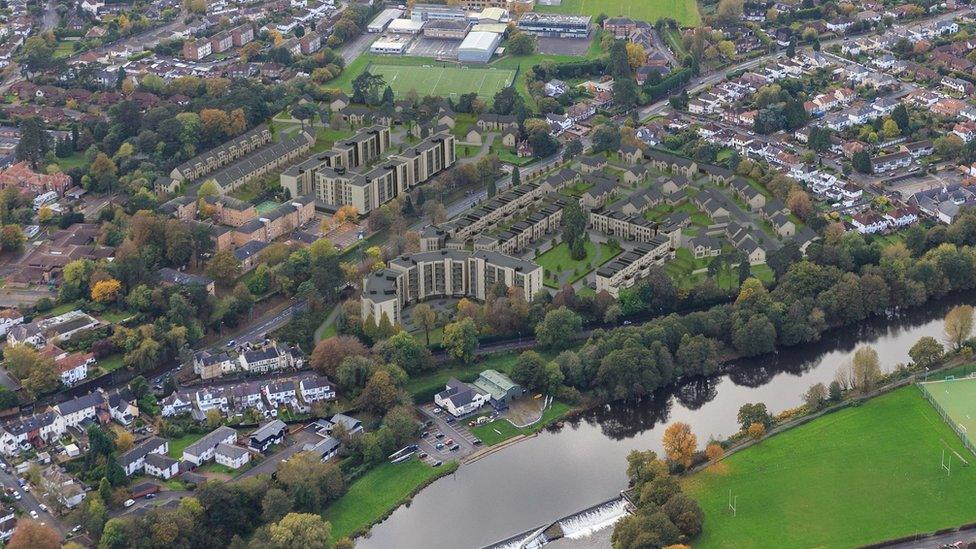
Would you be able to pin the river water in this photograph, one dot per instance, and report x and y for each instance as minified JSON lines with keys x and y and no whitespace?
{"x":562,"y":471}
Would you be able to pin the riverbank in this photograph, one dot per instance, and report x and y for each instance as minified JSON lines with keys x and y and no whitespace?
{"x":375,"y":495}
{"x":858,"y":475}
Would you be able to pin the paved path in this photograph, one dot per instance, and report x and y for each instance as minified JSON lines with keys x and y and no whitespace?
{"x":483,"y":150}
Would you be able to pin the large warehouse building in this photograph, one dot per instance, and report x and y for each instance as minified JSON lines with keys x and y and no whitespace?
{"x":478,"y":47}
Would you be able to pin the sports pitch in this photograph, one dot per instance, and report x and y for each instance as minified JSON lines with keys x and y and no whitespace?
{"x":957,"y":400}
{"x":444,"y":81}
{"x":685,"y":12}
{"x":860,"y":475}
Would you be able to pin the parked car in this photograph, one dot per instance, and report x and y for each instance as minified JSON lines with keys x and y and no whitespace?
{"x":439,"y":446}
{"x":129,"y":502}
{"x":17,"y":495}
{"x":231,"y":343}
{"x":438,"y":435}
{"x":43,"y":507}
{"x":150,"y":496}
{"x":33,"y":513}
{"x":449,"y":441}
{"x":436,"y":463}
{"x":422,"y":455}
{"x":455,"y":448}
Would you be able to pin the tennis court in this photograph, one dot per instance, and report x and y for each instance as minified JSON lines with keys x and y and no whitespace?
{"x":266,"y":206}
{"x":445,"y":81}
{"x":955,"y":399}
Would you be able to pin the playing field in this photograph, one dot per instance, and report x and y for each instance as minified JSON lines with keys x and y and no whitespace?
{"x":445,"y":81}
{"x":685,"y":12}
{"x":955,"y":400}
{"x":860,"y":475}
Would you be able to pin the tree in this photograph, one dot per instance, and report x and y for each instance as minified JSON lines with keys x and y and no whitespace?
{"x":573,"y":148}
{"x":274,"y":505}
{"x":12,"y":238}
{"x":574,"y":230}
{"x":714,"y":452}
{"x":103,"y":173}
{"x":380,"y":394}
{"x":30,"y":534}
{"x":815,"y":396}
{"x":426,"y":317}
{"x":890,"y":129}
{"x":900,"y":116}
{"x":558,"y":329}
{"x":365,"y":88}
{"x":224,"y":268}
{"x":862,"y":162}
{"x":516,"y":177}
{"x":460,"y":339}
{"x":753,"y":413}
{"x":949,"y":146}
{"x":865,"y":369}
{"x":521,"y":43}
{"x":529,"y":370}
{"x":958,"y":325}
{"x":106,"y":291}
{"x":34,"y":141}
{"x":927,"y":352}
{"x":405,"y":351}
{"x":756,"y":431}
{"x":680,"y":443}
{"x":299,"y":531}
{"x":729,"y":11}
{"x":618,"y":65}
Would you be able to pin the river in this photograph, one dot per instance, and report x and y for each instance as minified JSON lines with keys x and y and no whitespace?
{"x":564,"y":470}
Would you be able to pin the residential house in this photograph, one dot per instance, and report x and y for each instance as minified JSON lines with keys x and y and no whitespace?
{"x":134,"y":460}
{"x":203,"y":450}
{"x":231,"y":456}
{"x":459,"y":398}
{"x":267,"y":435}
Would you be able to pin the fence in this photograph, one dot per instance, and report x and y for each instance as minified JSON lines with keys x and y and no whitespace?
{"x":947,"y":418}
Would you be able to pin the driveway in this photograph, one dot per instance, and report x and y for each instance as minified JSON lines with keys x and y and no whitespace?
{"x":294,"y":444}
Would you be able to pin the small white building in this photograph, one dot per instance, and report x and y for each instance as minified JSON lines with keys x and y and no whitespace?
{"x":316,"y":388}
{"x":203,"y":450}
{"x":162,"y":466}
{"x":459,"y":398}
{"x":232,"y":456}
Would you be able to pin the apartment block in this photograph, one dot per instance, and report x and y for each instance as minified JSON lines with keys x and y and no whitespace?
{"x":627,"y":269}
{"x":444,"y":273}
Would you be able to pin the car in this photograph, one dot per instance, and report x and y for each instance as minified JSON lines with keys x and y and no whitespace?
{"x":450,"y":419}
{"x":477,"y":442}
{"x":231,"y":343}
{"x":422,"y":455}
{"x":437,"y":410}
{"x":17,"y":496}
{"x":439,"y":446}
{"x":455,"y":448}
{"x":627,"y":323}
{"x":428,"y":423}
{"x":76,"y":529}
{"x":33,"y":513}
{"x":26,"y":487}
{"x":21,"y":481}
{"x":43,"y":507}
{"x":449,"y":441}
{"x":425,"y":434}
{"x":436,"y":463}
{"x":150,"y":496}
{"x":438,"y":435}
{"x":129,"y":502}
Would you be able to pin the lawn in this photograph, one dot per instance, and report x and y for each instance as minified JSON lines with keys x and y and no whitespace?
{"x":685,"y":12}
{"x":373,"y":496}
{"x":423,"y":388}
{"x":501,"y":430}
{"x":857,"y":476}
{"x":430,"y":78}
{"x":76,"y":160}
{"x":557,"y":261}
{"x":220,"y":468}
{"x":177,"y":445}
{"x":110,"y":364}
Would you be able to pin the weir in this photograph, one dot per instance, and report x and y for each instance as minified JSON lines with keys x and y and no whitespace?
{"x":575,"y":526}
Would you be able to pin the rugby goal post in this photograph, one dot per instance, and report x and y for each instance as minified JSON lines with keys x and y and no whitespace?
{"x":947,"y":463}
{"x":733,"y":502}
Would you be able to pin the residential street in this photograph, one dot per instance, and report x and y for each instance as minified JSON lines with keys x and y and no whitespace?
{"x":30,"y":503}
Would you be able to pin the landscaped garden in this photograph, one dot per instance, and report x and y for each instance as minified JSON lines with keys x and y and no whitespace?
{"x":561,"y":269}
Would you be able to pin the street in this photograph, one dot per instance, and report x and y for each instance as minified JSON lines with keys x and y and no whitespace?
{"x":29,"y":503}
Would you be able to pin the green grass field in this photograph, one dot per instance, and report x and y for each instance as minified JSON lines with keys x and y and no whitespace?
{"x":860,"y":475}
{"x":444,"y":81}
{"x":685,"y":12}
{"x":501,"y":430}
{"x":423,"y":388}
{"x":177,"y":445}
{"x":372,"y":496}
{"x":957,"y":398}
{"x":558,"y":261}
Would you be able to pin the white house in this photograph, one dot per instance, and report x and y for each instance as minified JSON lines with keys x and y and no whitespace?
{"x":901,"y":217}
{"x":74,"y":367}
{"x":459,"y":398}
{"x":176,"y":404}
{"x":232,"y":456}
{"x":316,"y":388}
{"x":77,"y":410}
{"x":134,"y":460}
{"x":281,"y":394}
{"x":162,"y":466}
{"x":203,"y":450}
{"x":210,"y":398}
{"x":868,"y":222}
{"x":19,"y":435}
{"x":8,"y":318}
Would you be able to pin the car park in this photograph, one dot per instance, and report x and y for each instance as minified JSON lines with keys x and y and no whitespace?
{"x":438,"y":435}
{"x":439,"y":446}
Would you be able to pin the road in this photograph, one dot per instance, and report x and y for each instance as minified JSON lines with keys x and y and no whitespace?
{"x":29,"y":503}
{"x":256,"y":330}
{"x":936,"y":542}
{"x":50,"y":19}
{"x":161,"y":498}
{"x":351,"y":50}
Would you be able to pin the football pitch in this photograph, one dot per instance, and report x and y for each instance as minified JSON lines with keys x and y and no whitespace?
{"x":955,"y":400}
{"x":685,"y":12}
{"x":856,"y":476}
{"x":444,"y":81}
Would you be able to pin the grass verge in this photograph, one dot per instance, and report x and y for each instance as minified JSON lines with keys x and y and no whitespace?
{"x":500,"y":430}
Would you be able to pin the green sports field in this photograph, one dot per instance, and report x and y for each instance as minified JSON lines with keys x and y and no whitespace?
{"x":445,"y":81}
{"x":860,"y":475}
{"x":685,"y":12}
{"x":955,"y":399}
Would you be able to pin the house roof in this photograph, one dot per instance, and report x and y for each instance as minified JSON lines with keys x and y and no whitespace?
{"x":270,"y":429}
{"x":142,"y":450}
